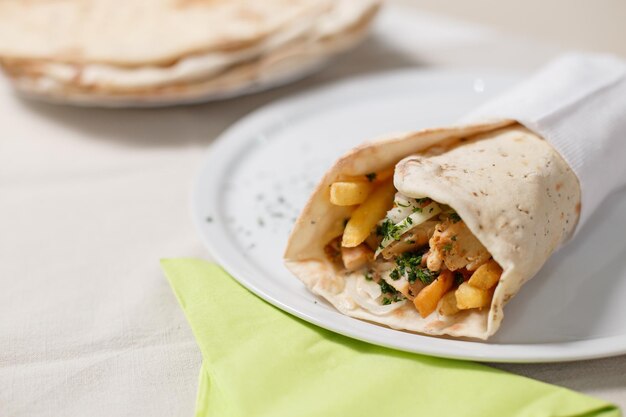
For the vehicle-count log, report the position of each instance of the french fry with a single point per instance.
(427, 299)
(346, 193)
(471, 297)
(448, 307)
(365, 217)
(486, 276)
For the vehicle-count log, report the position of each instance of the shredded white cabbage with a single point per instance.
(413, 217)
(366, 302)
(369, 288)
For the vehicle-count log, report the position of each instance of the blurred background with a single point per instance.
(597, 26)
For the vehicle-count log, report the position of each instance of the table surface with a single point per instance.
(596, 26)
(92, 199)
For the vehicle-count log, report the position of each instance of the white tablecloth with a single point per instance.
(91, 199)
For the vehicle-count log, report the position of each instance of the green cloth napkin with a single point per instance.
(260, 361)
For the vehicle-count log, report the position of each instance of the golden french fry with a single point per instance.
(448, 304)
(365, 217)
(345, 193)
(471, 297)
(486, 276)
(427, 299)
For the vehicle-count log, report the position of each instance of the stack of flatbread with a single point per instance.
(117, 52)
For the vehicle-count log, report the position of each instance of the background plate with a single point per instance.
(251, 87)
(259, 174)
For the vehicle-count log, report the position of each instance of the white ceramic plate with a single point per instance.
(259, 174)
(252, 87)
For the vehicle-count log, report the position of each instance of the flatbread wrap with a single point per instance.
(434, 231)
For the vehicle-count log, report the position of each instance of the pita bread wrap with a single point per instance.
(509, 187)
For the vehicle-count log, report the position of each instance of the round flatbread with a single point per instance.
(141, 32)
(102, 70)
(284, 64)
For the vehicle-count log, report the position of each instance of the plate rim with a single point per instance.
(271, 113)
(137, 102)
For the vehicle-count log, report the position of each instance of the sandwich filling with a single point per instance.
(407, 249)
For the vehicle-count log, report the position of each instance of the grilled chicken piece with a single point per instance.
(411, 240)
(333, 250)
(373, 240)
(357, 257)
(414, 289)
(454, 245)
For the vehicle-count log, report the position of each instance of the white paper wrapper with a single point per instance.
(578, 104)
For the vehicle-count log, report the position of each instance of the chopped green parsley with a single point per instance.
(394, 275)
(386, 300)
(388, 230)
(386, 288)
(410, 264)
(425, 275)
(455, 217)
